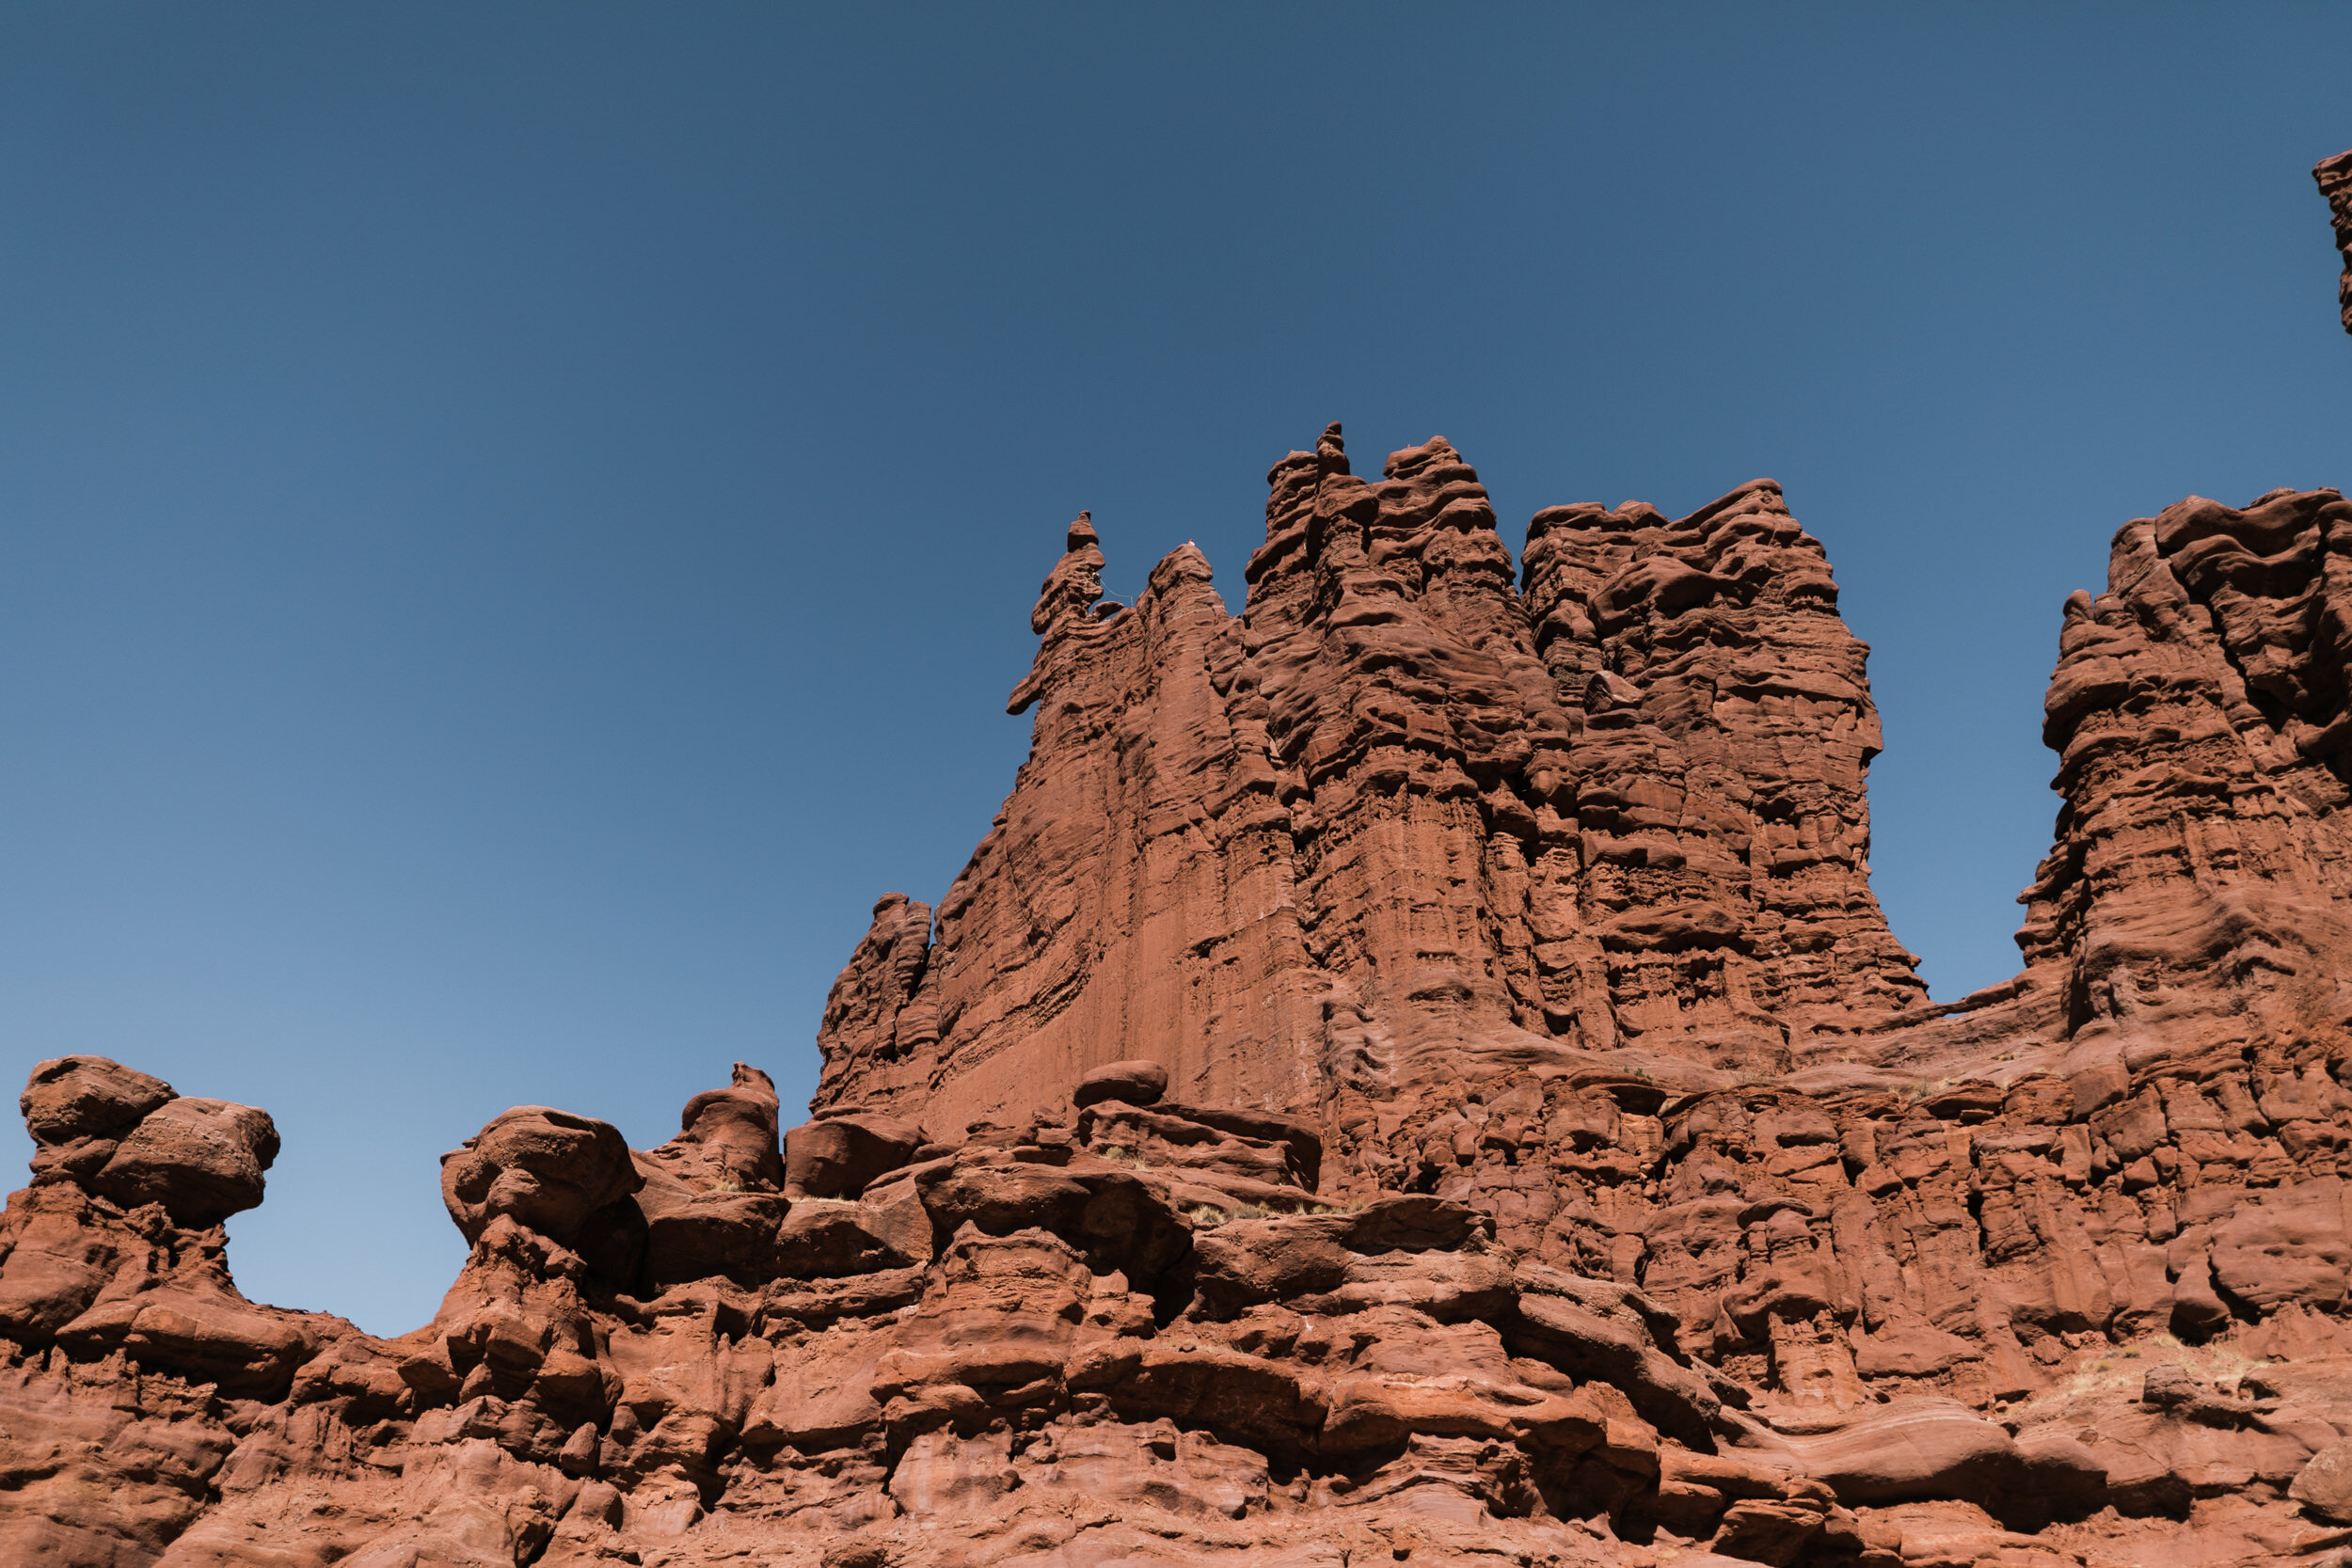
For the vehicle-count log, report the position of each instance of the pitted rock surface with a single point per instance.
(1414, 1073)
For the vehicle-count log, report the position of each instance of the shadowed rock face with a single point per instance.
(2336, 183)
(1414, 1073)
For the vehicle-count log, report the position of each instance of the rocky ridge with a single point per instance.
(1599, 1186)
(1486, 1119)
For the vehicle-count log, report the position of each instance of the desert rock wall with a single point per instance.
(1414, 1073)
(1403, 820)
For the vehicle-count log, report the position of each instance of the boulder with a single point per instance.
(83, 1096)
(2166, 1384)
(1121, 1219)
(2324, 1485)
(1138, 1083)
(838, 1156)
(546, 1169)
(736, 1128)
(705, 1232)
(202, 1159)
(1928, 1449)
(1243, 1262)
(831, 1238)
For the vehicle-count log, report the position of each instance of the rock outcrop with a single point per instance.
(1414, 1073)
(1400, 824)
(1137, 1333)
(2336, 183)
(1592, 1180)
(1566, 918)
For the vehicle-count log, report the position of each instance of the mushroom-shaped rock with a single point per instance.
(838, 1156)
(202, 1159)
(1138, 1083)
(546, 1169)
(737, 1126)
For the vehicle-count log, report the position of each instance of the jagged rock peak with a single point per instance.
(1388, 797)
(2199, 712)
(1330, 450)
(1415, 1093)
(1071, 587)
(1414, 1070)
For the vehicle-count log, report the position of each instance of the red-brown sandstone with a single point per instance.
(1414, 1073)
(2336, 183)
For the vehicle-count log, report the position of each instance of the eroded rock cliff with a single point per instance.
(1414, 1073)
(1402, 825)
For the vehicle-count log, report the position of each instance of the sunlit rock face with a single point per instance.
(1416, 1073)
(1406, 823)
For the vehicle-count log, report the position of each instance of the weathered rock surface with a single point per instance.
(1566, 917)
(1400, 823)
(1414, 1073)
(2336, 183)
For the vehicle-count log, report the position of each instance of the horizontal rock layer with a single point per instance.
(1404, 822)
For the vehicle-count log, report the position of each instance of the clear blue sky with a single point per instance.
(516, 522)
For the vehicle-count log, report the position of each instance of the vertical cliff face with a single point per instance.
(1133, 898)
(2197, 889)
(1402, 825)
(1423, 753)
(1718, 775)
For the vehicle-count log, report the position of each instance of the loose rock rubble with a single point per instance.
(1414, 1073)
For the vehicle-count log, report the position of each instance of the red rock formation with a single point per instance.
(1414, 1073)
(1719, 775)
(2336, 183)
(1397, 824)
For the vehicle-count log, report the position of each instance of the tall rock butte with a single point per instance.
(1415, 1074)
(1404, 824)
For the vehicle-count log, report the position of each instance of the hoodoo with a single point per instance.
(1414, 1073)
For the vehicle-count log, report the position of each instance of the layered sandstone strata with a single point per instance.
(1136, 1332)
(1139, 1330)
(1402, 822)
(1414, 1073)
